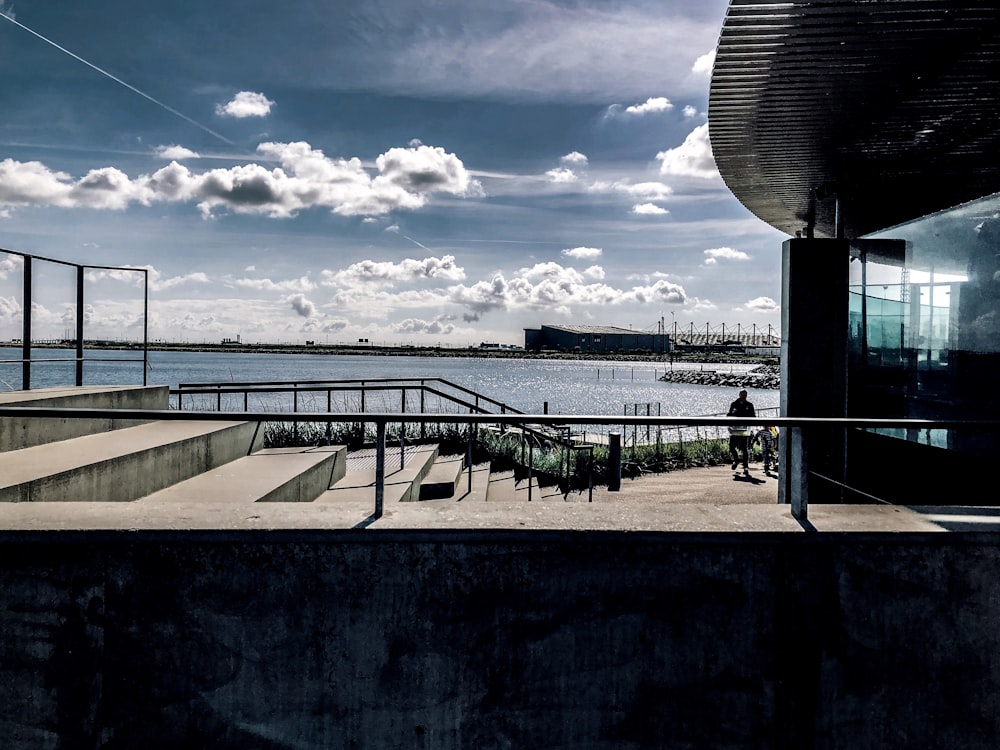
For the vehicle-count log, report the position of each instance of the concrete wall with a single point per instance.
(17, 433)
(374, 639)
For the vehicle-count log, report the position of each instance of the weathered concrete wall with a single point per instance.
(374, 639)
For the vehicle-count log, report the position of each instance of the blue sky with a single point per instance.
(406, 171)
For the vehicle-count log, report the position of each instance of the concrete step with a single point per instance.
(124, 464)
(402, 483)
(505, 487)
(442, 480)
(278, 475)
(17, 433)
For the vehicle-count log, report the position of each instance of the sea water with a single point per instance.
(600, 387)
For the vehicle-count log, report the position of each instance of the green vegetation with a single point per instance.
(553, 462)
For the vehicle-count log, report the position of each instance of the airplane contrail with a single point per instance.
(114, 78)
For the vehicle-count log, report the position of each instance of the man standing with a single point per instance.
(739, 437)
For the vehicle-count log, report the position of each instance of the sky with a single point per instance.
(426, 172)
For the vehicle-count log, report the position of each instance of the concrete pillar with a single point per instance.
(814, 327)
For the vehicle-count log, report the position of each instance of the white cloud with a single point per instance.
(301, 284)
(651, 191)
(301, 305)
(178, 153)
(583, 253)
(11, 264)
(245, 104)
(574, 157)
(561, 175)
(762, 304)
(648, 209)
(652, 105)
(385, 272)
(406, 179)
(549, 286)
(690, 111)
(691, 159)
(704, 64)
(714, 255)
(439, 327)
(594, 272)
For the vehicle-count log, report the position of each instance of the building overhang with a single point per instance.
(887, 110)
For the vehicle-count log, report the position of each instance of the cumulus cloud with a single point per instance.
(550, 286)
(301, 305)
(594, 272)
(10, 264)
(387, 272)
(648, 209)
(714, 255)
(583, 253)
(439, 327)
(762, 304)
(690, 111)
(652, 105)
(155, 278)
(574, 157)
(561, 175)
(245, 104)
(691, 159)
(307, 178)
(176, 153)
(704, 64)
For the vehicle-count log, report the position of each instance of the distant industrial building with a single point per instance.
(598, 339)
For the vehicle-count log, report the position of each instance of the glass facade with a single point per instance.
(924, 337)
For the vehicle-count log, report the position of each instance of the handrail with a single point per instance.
(255, 386)
(793, 425)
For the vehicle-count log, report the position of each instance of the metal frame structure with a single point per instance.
(81, 269)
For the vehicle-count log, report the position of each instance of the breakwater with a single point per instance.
(764, 376)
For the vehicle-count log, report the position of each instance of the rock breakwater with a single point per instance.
(764, 376)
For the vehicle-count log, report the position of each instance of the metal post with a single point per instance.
(26, 327)
(531, 460)
(469, 449)
(79, 327)
(379, 467)
(145, 325)
(614, 462)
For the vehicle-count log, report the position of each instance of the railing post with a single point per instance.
(79, 327)
(531, 460)
(470, 453)
(26, 327)
(379, 467)
(614, 462)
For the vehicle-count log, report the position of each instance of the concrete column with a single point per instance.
(814, 327)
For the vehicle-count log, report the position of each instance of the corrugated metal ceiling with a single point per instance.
(893, 105)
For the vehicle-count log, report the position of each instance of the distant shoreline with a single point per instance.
(415, 351)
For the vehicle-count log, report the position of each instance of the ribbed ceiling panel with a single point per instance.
(894, 105)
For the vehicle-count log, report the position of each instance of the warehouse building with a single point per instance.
(594, 339)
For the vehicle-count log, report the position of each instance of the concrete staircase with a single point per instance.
(170, 462)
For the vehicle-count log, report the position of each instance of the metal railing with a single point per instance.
(27, 360)
(795, 472)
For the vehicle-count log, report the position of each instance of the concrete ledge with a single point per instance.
(124, 464)
(278, 475)
(16, 434)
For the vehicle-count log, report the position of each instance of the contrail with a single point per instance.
(114, 78)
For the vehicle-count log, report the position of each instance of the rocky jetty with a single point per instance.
(764, 376)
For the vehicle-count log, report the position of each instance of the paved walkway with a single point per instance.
(716, 485)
